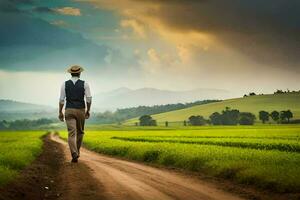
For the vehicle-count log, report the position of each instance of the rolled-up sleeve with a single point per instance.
(62, 96)
(87, 93)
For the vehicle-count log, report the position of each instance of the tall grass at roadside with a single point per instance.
(290, 145)
(18, 149)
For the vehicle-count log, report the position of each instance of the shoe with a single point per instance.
(74, 158)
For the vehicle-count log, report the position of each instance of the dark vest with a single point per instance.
(75, 94)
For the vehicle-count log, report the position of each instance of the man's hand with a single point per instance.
(87, 114)
(61, 116)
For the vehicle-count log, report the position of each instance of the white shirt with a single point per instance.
(87, 91)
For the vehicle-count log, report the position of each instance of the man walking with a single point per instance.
(75, 92)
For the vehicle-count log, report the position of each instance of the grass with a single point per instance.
(18, 149)
(264, 144)
(266, 156)
(249, 104)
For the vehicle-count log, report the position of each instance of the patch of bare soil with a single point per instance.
(51, 176)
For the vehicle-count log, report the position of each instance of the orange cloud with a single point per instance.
(145, 19)
(137, 27)
(68, 11)
(252, 29)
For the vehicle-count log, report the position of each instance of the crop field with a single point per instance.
(18, 149)
(266, 156)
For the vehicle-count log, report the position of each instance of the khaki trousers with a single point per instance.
(75, 119)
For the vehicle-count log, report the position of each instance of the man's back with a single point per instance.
(75, 94)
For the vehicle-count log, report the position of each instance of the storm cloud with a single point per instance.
(268, 32)
(28, 43)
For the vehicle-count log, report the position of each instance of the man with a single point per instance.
(75, 91)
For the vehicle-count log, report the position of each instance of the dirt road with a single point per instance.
(119, 179)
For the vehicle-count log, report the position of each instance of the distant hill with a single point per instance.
(12, 110)
(125, 97)
(127, 113)
(16, 106)
(247, 104)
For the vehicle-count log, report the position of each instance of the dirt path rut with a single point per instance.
(120, 179)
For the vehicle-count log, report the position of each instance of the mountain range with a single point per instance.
(119, 98)
(14, 110)
(125, 97)
(17, 106)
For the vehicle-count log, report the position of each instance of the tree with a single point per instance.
(264, 116)
(278, 92)
(252, 94)
(146, 120)
(230, 117)
(246, 118)
(275, 115)
(282, 116)
(184, 123)
(197, 120)
(289, 115)
(153, 123)
(167, 123)
(216, 118)
(227, 117)
(286, 114)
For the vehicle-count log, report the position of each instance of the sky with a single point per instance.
(237, 45)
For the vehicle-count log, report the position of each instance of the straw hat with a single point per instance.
(75, 69)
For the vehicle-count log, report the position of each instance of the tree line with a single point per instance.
(226, 117)
(128, 113)
(279, 117)
(25, 124)
(276, 92)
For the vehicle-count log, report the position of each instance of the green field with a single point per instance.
(265, 156)
(248, 104)
(18, 149)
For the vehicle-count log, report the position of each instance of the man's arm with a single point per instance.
(87, 113)
(88, 97)
(61, 114)
(61, 103)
